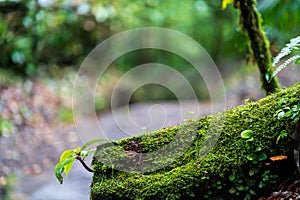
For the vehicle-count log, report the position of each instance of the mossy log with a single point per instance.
(235, 168)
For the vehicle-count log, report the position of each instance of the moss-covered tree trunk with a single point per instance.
(251, 23)
(239, 166)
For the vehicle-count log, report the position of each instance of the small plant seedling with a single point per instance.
(283, 134)
(247, 134)
(287, 112)
(255, 152)
(68, 157)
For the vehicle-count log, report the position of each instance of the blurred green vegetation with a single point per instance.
(281, 19)
(38, 37)
(9, 186)
(6, 127)
(65, 115)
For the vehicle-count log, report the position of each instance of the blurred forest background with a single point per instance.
(43, 43)
(48, 37)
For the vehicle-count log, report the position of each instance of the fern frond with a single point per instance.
(285, 64)
(293, 45)
(289, 48)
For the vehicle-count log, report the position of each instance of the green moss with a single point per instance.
(225, 173)
(251, 23)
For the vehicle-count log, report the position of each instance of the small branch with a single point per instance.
(84, 165)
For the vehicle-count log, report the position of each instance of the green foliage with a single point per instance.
(283, 134)
(255, 153)
(234, 169)
(289, 54)
(281, 19)
(247, 134)
(288, 112)
(36, 36)
(100, 103)
(65, 114)
(65, 163)
(6, 127)
(91, 143)
(8, 192)
(68, 157)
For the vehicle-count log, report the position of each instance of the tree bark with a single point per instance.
(251, 24)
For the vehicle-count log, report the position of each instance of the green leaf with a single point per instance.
(67, 164)
(93, 142)
(241, 188)
(283, 100)
(295, 108)
(66, 154)
(260, 184)
(231, 177)
(262, 156)
(282, 134)
(251, 156)
(249, 145)
(280, 115)
(247, 134)
(67, 159)
(58, 170)
(232, 190)
(258, 149)
(251, 172)
(252, 192)
(77, 150)
(63, 166)
(268, 77)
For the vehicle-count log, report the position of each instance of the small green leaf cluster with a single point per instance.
(283, 134)
(292, 113)
(256, 153)
(27, 43)
(66, 162)
(244, 181)
(68, 157)
(240, 185)
(288, 110)
(267, 179)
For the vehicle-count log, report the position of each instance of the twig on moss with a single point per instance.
(84, 165)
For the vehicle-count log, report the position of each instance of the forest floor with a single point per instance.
(36, 129)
